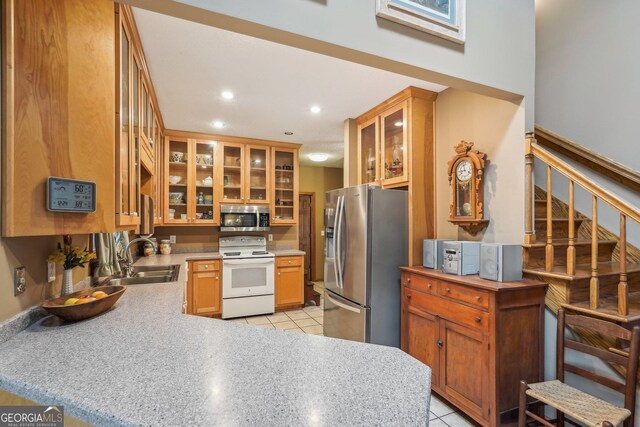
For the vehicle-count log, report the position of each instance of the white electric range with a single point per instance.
(247, 276)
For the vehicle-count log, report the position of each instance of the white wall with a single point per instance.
(499, 52)
(495, 126)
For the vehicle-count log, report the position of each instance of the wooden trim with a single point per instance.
(607, 167)
(625, 207)
(8, 136)
(228, 138)
(312, 269)
(410, 92)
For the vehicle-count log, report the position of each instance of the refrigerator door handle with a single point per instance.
(338, 239)
(342, 305)
(335, 240)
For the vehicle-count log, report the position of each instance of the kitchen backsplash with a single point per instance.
(205, 239)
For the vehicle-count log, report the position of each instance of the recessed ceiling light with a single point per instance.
(217, 124)
(398, 124)
(318, 157)
(227, 94)
(315, 109)
(289, 133)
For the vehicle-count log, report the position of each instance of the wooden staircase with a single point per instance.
(588, 268)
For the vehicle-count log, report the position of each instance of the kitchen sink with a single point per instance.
(146, 275)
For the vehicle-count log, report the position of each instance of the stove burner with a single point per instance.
(259, 253)
(232, 253)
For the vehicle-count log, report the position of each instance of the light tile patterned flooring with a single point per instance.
(309, 320)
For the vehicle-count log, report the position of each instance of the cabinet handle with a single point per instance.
(408, 279)
(289, 261)
(439, 343)
(409, 295)
(478, 320)
(448, 290)
(278, 273)
(429, 285)
(217, 277)
(478, 299)
(206, 267)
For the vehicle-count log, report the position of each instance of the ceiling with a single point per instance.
(274, 85)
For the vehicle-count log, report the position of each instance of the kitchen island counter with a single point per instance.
(145, 363)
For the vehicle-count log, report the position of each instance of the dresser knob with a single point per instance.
(408, 279)
(429, 285)
(408, 295)
(278, 274)
(289, 261)
(448, 290)
(206, 267)
(478, 299)
(478, 320)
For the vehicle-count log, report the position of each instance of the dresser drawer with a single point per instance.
(289, 261)
(421, 283)
(206, 265)
(464, 294)
(448, 310)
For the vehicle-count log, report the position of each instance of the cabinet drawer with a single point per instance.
(288, 261)
(471, 296)
(421, 283)
(449, 310)
(209, 265)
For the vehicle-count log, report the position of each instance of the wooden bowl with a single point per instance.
(88, 309)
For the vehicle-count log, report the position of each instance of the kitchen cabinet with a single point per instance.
(289, 282)
(58, 110)
(158, 182)
(245, 178)
(190, 196)
(284, 207)
(204, 288)
(396, 150)
(479, 337)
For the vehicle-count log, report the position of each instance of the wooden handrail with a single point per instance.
(625, 209)
(607, 167)
(629, 210)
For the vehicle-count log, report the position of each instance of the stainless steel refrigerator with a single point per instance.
(365, 243)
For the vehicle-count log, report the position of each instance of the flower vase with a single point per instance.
(67, 282)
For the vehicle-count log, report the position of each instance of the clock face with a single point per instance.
(463, 171)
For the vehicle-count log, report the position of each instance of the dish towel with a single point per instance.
(122, 240)
(106, 249)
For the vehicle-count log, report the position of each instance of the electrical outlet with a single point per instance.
(270, 237)
(19, 280)
(51, 272)
(172, 238)
(322, 233)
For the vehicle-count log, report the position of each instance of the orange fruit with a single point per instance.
(85, 299)
(99, 294)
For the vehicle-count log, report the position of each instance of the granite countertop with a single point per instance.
(145, 363)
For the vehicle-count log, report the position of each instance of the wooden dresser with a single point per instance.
(479, 337)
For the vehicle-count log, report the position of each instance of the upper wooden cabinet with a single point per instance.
(138, 126)
(285, 186)
(58, 108)
(191, 197)
(244, 173)
(396, 150)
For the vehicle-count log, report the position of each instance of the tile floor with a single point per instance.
(443, 414)
(307, 320)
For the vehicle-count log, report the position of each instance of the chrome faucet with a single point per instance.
(126, 264)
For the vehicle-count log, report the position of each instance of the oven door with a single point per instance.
(247, 277)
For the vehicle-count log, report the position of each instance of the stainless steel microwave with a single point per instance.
(244, 218)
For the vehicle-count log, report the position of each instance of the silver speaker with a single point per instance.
(501, 262)
(432, 253)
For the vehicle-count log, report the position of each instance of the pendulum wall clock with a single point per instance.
(466, 173)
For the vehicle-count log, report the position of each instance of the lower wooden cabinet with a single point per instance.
(204, 288)
(289, 282)
(480, 338)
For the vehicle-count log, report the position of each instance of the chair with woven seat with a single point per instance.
(573, 403)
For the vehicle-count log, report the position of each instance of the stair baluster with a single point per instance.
(594, 283)
(549, 248)
(571, 248)
(529, 226)
(623, 289)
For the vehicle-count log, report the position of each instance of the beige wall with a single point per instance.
(319, 180)
(206, 238)
(32, 253)
(497, 128)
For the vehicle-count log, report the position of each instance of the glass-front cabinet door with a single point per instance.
(368, 136)
(204, 197)
(285, 186)
(176, 181)
(394, 149)
(232, 176)
(257, 180)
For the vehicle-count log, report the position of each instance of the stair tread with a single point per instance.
(559, 219)
(562, 241)
(583, 271)
(608, 308)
